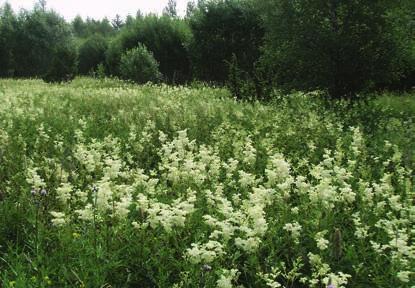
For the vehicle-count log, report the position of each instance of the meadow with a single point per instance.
(109, 184)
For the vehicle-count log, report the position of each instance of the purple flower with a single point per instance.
(331, 286)
(206, 268)
(43, 192)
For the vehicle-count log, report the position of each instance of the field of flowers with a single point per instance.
(106, 184)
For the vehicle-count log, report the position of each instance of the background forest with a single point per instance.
(345, 48)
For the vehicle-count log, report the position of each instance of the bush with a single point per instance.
(139, 65)
(92, 53)
(63, 65)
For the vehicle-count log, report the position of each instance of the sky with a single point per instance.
(99, 9)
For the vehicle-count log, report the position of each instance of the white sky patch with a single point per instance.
(99, 9)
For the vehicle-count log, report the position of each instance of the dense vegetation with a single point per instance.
(177, 183)
(106, 184)
(345, 48)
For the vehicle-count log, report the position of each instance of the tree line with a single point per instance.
(343, 47)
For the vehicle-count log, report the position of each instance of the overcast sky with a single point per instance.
(99, 9)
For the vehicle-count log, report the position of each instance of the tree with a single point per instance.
(222, 29)
(402, 18)
(139, 14)
(42, 5)
(37, 36)
(342, 46)
(171, 9)
(63, 65)
(92, 53)
(79, 26)
(117, 22)
(129, 20)
(190, 8)
(8, 26)
(89, 27)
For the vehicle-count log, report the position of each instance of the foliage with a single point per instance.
(63, 66)
(117, 22)
(221, 29)
(41, 32)
(171, 9)
(104, 183)
(28, 40)
(139, 65)
(163, 36)
(8, 26)
(91, 27)
(239, 82)
(344, 47)
(92, 53)
(402, 18)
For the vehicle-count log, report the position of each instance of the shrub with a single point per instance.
(139, 65)
(63, 64)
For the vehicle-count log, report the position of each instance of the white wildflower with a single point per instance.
(58, 218)
(227, 277)
(64, 192)
(294, 229)
(404, 276)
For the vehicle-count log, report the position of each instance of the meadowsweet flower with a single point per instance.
(361, 231)
(338, 280)
(278, 170)
(249, 245)
(294, 229)
(205, 253)
(34, 179)
(404, 276)
(113, 168)
(87, 213)
(357, 143)
(121, 208)
(58, 218)
(103, 194)
(230, 167)
(347, 194)
(227, 277)
(270, 278)
(169, 216)
(246, 179)
(394, 202)
(249, 152)
(295, 210)
(64, 192)
(322, 243)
